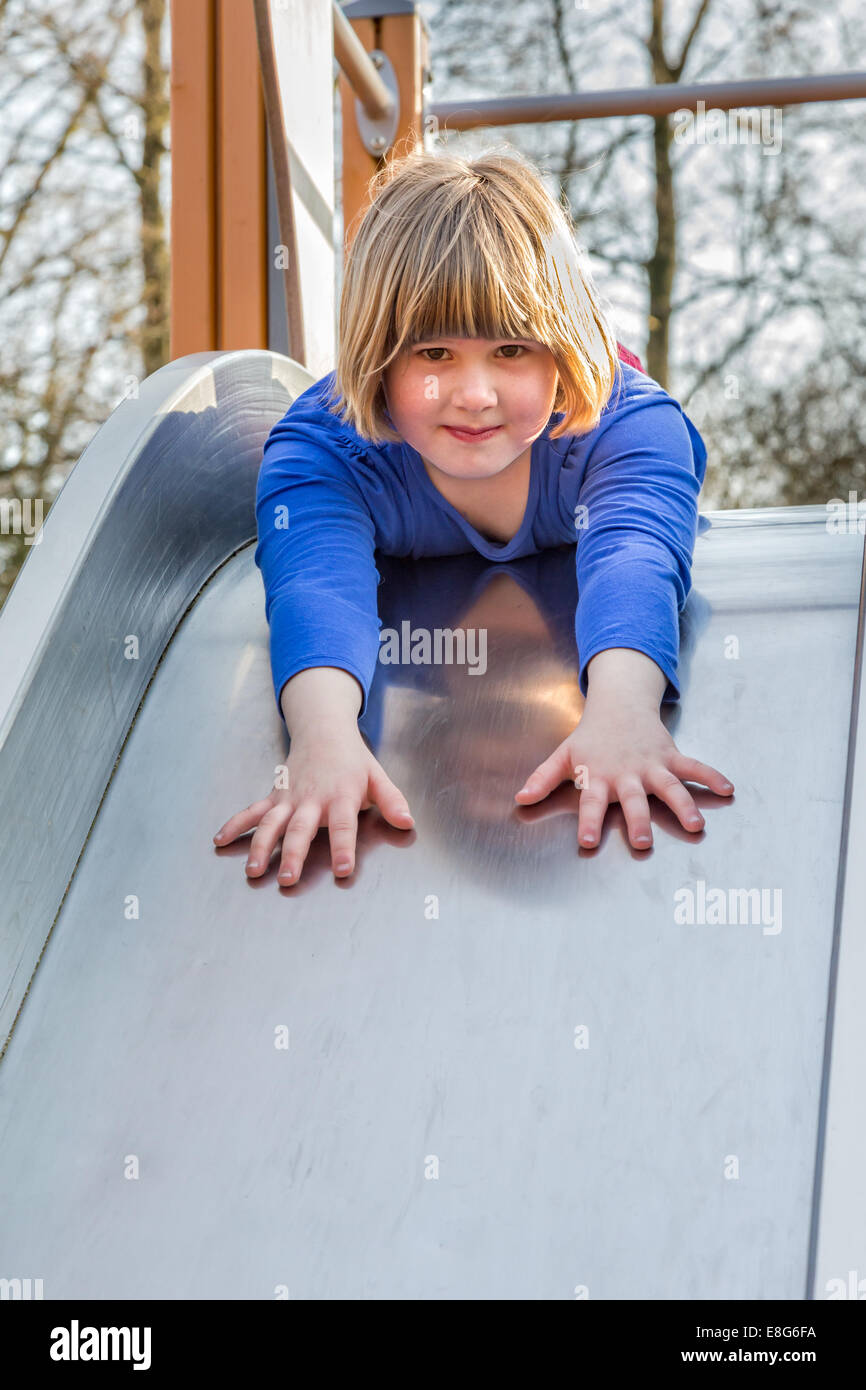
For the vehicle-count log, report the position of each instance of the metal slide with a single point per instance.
(489, 1065)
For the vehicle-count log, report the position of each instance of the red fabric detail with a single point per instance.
(630, 358)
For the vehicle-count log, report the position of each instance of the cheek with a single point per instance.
(418, 397)
(399, 389)
(539, 393)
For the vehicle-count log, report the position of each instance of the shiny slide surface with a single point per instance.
(489, 1064)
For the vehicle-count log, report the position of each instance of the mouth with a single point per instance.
(472, 436)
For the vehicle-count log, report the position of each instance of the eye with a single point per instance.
(515, 349)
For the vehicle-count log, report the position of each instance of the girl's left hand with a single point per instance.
(621, 753)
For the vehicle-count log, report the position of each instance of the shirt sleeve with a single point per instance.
(637, 521)
(316, 545)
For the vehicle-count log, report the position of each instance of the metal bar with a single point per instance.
(358, 68)
(648, 101)
(276, 123)
(838, 1237)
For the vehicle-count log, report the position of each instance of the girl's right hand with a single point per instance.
(330, 779)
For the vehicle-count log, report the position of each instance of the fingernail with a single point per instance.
(252, 863)
(342, 866)
(642, 839)
(727, 786)
(219, 835)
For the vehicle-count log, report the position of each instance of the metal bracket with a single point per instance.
(377, 136)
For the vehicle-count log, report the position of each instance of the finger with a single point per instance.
(263, 841)
(668, 788)
(547, 776)
(343, 832)
(390, 800)
(635, 807)
(299, 835)
(594, 801)
(242, 821)
(691, 769)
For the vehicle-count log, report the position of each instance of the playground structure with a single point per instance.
(488, 1065)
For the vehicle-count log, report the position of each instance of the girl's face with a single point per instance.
(471, 384)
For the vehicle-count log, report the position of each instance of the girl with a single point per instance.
(478, 402)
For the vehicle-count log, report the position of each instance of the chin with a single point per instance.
(471, 468)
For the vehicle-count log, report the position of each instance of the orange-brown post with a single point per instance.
(219, 268)
(403, 38)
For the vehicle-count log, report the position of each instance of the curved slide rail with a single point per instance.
(162, 495)
(487, 1065)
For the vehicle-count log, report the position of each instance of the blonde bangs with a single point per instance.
(461, 248)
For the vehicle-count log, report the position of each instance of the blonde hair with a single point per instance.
(468, 248)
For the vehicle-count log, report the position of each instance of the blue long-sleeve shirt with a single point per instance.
(625, 494)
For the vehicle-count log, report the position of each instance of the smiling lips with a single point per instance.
(460, 433)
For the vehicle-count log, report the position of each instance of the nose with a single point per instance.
(474, 391)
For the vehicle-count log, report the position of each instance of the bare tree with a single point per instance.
(661, 265)
(83, 249)
(737, 264)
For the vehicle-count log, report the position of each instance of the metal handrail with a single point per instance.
(359, 69)
(648, 101)
(277, 138)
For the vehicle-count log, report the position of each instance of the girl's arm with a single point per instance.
(638, 520)
(638, 516)
(320, 700)
(316, 554)
(621, 671)
(316, 548)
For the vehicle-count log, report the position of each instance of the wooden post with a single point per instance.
(396, 29)
(219, 263)
(193, 177)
